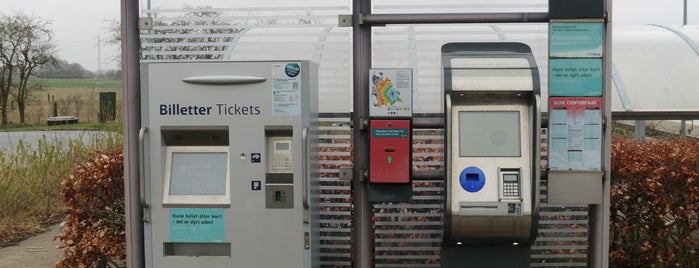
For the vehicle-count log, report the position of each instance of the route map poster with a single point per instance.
(391, 92)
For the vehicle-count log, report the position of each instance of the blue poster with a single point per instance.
(576, 39)
(196, 225)
(575, 77)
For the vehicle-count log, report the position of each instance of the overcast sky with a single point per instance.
(77, 24)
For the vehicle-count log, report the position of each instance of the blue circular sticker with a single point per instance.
(292, 69)
(472, 179)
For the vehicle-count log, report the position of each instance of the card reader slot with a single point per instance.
(482, 209)
(279, 178)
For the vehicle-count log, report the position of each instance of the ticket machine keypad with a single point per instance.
(510, 185)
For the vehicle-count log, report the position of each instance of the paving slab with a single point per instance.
(38, 251)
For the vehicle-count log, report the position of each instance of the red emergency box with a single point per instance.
(390, 147)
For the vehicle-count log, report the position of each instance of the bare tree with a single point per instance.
(25, 43)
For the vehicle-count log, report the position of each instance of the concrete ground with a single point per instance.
(36, 252)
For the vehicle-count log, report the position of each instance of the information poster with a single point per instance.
(575, 77)
(286, 91)
(575, 133)
(576, 39)
(391, 92)
(197, 225)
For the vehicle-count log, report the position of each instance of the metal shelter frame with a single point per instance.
(362, 21)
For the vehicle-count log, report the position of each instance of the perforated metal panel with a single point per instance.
(335, 194)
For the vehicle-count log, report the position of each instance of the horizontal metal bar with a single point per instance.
(655, 115)
(408, 223)
(558, 221)
(408, 215)
(560, 247)
(422, 18)
(408, 206)
(334, 263)
(428, 175)
(428, 122)
(569, 230)
(407, 257)
(406, 265)
(557, 256)
(439, 231)
(335, 230)
(407, 240)
(560, 264)
(341, 255)
(562, 239)
(404, 249)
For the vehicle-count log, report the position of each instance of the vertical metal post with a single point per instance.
(361, 53)
(599, 225)
(684, 18)
(683, 128)
(130, 77)
(640, 129)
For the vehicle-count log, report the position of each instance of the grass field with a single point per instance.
(53, 83)
(70, 97)
(30, 178)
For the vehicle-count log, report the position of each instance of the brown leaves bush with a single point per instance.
(94, 227)
(655, 200)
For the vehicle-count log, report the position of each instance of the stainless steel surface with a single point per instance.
(483, 216)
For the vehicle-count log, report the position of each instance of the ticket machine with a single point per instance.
(228, 176)
(491, 144)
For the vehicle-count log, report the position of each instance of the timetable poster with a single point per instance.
(575, 133)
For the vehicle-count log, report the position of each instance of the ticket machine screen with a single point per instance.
(489, 134)
(198, 173)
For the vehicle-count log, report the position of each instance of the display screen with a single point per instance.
(198, 173)
(281, 146)
(489, 133)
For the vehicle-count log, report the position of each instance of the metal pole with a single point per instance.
(599, 222)
(684, 20)
(640, 129)
(132, 122)
(361, 49)
(382, 19)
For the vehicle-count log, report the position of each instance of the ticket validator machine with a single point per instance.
(492, 145)
(227, 175)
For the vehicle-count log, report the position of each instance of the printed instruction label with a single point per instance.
(197, 225)
(575, 77)
(286, 88)
(576, 39)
